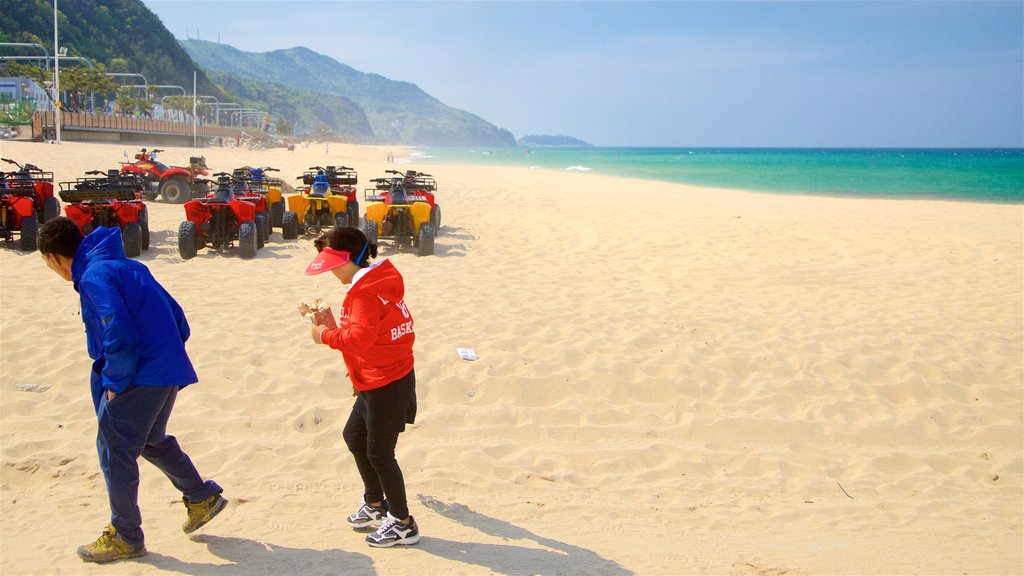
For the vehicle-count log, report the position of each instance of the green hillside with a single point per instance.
(397, 112)
(123, 35)
(311, 91)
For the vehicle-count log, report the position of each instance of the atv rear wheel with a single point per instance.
(435, 217)
(290, 225)
(276, 214)
(353, 214)
(188, 240)
(261, 231)
(176, 191)
(370, 230)
(29, 233)
(131, 237)
(51, 209)
(426, 239)
(144, 223)
(247, 242)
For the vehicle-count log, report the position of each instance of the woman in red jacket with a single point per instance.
(375, 337)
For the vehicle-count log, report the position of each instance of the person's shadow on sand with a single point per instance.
(561, 558)
(249, 557)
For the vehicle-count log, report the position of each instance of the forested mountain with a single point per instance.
(397, 112)
(310, 90)
(123, 35)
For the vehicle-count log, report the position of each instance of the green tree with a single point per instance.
(130, 103)
(78, 81)
(36, 73)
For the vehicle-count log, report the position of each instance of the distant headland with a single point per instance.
(542, 140)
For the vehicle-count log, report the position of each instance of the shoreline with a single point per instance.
(772, 170)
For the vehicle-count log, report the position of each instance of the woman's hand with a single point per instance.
(315, 331)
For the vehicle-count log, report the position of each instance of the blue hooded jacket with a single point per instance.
(136, 331)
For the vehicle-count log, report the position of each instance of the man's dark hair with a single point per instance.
(59, 236)
(350, 240)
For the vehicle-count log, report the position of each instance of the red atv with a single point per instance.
(112, 199)
(219, 220)
(175, 184)
(17, 215)
(39, 185)
(252, 190)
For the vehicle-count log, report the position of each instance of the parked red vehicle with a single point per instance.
(111, 199)
(18, 215)
(174, 184)
(36, 183)
(220, 220)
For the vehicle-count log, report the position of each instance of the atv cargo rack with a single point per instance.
(336, 175)
(85, 190)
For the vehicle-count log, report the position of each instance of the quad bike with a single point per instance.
(416, 183)
(174, 184)
(271, 188)
(392, 211)
(18, 215)
(219, 220)
(250, 184)
(329, 198)
(37, 184)
(111, 199)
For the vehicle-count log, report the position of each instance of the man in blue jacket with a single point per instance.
(136, 335)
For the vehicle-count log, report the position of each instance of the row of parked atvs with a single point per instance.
(239, 209)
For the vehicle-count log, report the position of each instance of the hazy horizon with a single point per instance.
(690, 74)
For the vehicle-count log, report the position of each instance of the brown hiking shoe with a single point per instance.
(199, 513)
(109, 547)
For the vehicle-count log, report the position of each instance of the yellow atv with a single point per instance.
(327, 199)
(393, 211)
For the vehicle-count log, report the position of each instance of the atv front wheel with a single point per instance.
(176, 191)
(29, 233)
(131, 237)
(188, 240)
(247, 241)
(290, 225)
(340, 220)
(426, 239)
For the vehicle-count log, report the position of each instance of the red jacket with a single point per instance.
(375, 334)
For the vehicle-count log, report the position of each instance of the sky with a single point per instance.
(866, 73)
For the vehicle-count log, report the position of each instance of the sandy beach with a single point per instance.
(671, 380)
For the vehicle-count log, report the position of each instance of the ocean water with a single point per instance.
(993, 175)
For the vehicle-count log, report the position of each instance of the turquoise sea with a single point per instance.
(993, 175)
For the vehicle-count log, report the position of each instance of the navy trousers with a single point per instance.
(134, 424)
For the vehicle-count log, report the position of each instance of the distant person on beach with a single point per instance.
(136, 333)
(375, 339)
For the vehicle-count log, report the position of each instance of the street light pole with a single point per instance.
(194, 120)
(56, 72)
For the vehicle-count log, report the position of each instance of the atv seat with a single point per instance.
(318, 190)
(222, 194)
(398, 195)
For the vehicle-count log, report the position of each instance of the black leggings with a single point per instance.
(371, 434)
